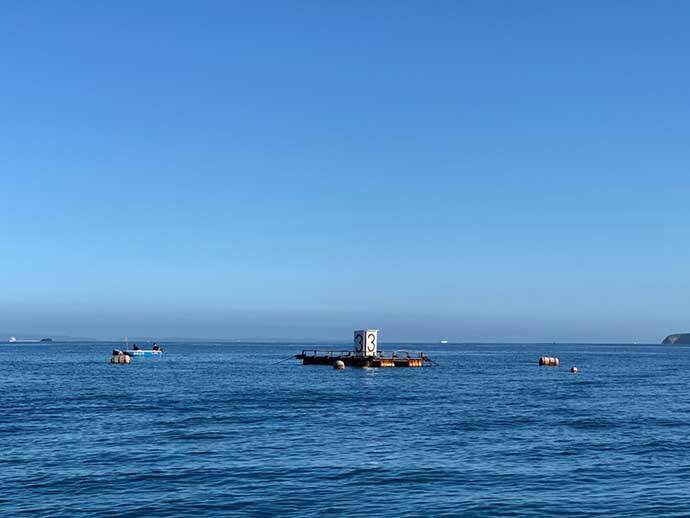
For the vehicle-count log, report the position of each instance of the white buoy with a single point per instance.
(573, 370)
(339, 365)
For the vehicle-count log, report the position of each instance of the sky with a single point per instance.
(461, 170)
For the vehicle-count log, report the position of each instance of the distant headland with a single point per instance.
(678, 338)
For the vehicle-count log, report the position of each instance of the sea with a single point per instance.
(224, 429)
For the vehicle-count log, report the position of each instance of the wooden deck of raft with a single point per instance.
(394, 359)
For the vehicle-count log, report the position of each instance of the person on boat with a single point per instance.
(135, 347)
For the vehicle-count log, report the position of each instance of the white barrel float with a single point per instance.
(548, 361)
(120, 358)
(366, 342)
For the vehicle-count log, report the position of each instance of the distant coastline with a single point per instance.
(677, 339)
(15, 340)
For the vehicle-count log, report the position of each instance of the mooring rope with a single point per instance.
(432, 362)
(292, 357)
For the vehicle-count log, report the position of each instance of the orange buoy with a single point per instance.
(548, 361)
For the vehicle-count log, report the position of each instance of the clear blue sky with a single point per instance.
(467, 170)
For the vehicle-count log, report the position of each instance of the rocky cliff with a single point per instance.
(679, 338)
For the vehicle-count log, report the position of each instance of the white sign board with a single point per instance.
(366, 342)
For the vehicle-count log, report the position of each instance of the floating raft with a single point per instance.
(350, 359)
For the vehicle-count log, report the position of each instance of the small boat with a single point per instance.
(155, 352)
(145, 353)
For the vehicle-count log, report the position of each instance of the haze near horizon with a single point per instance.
(470, 171)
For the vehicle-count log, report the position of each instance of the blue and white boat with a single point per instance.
(144, 353)
(155, 352)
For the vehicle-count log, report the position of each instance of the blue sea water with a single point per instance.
(218, 429)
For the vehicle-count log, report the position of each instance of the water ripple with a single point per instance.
(219, 430)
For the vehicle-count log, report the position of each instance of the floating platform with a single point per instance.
(350, 359)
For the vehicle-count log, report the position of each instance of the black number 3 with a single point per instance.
(360, 343)
(372, 342)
